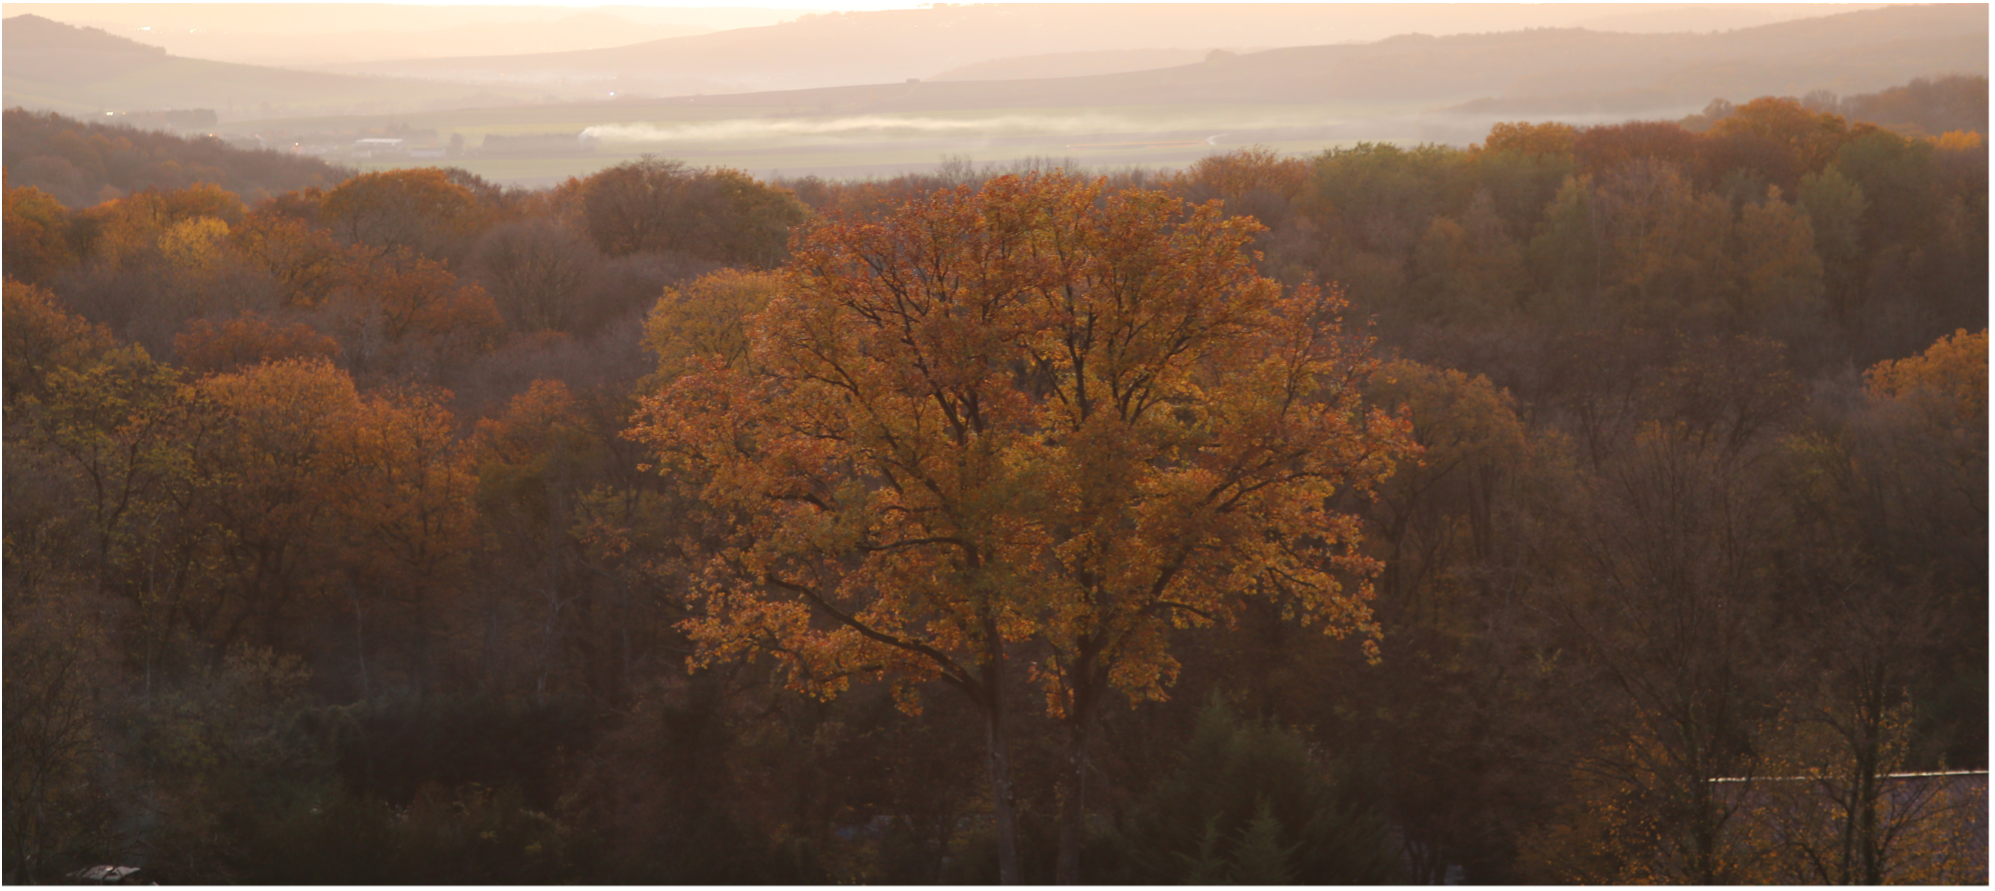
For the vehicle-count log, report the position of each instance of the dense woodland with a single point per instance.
(394, 527)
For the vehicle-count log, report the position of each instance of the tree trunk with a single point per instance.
(360, 643)
(1003, 811)
(1088, 686)
(1869, 785)
(1072, 799)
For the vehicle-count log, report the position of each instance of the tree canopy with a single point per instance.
(1032, 416)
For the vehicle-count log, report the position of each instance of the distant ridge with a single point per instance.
(891, 46)
(41, 150)
(48, 65)
(1546, 69)
(1078, 64)
(1567, 71)
(48, 50)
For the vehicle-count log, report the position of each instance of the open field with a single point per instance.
(543, 171)
(861, 144)
(681, 120)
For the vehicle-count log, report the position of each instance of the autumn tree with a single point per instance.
(1550, 138)
(58, 809)
(1032, 423)
(1467, 268)
(1235, 175)
(113, 419)
(420, 209)
(1669, 649)
(1835, 208)
(1254, 181)
(137, 221)
(1913, 481)
(1381, 196)
(1948, 381)
(1440, 510)
(38, 234)
(528, 460)
(1641, 245)
(585, 566)
(1601, 149)
(1836, 813)
(248, 340)
(1780, 286)
(1521, 171)
(399, 310)
(655, 205)
(1812, 136)
(1859, 627)
(538, 274)
(1804, 141)
(305, 262)
(1365, 211)
(401, 492)
(83, 468)
(707, 317)
(41, 337)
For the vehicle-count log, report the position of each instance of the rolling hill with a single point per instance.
(892, 46)
(1514, 72)
(51, 66)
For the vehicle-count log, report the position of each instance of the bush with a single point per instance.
(1250, 806)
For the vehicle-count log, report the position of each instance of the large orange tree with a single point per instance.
(1019, 435)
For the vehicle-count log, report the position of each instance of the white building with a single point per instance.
(371, 147)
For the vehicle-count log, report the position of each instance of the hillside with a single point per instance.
(52, 66)
(891, 46)
(337, 41)
(1080, 64)
(1510, 72)
(47, 50)
(1927, 106)
(84, 162)
(295, 35)
(1042, 56)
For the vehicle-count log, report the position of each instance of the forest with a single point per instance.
(1593, 504)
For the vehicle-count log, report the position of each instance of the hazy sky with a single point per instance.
(399, 15)
(406, 14)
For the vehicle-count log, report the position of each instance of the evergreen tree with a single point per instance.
(1256, 809)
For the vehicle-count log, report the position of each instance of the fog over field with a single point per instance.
(856, 124)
